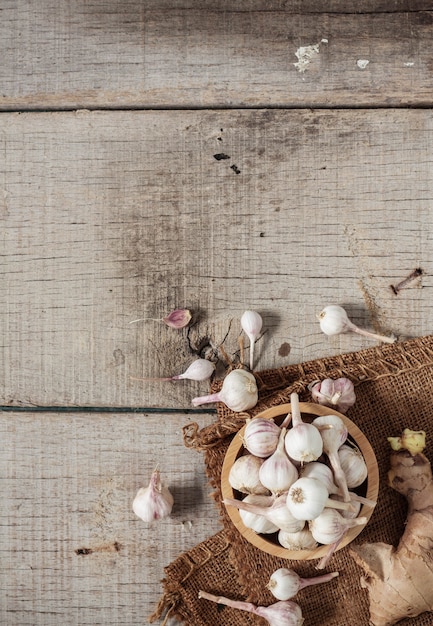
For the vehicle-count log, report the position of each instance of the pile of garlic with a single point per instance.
(296, 481)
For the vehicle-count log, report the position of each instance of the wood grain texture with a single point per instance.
(111, 217)
(71, 549)
(134, 55)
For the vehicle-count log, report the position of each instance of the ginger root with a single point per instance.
(400, 580)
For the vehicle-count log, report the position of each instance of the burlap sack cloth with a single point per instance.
(394, 386)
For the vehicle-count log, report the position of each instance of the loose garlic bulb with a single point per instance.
(238, 392)
(285, 583)
(154, 501)
(244, 475)
(353, 465)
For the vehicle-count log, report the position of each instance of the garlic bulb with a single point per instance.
(333, 438)
(277, 473)
(339, 393)
(286, 613)
(329, 528)
(308, 497)
(256, 521)
(261, 436)
(285, 583)
(353, 465)
(154, 501)
(239, 392)
(303, 441)
(277, 513)
(333, 320)
(251, 323)
(301, 540)
(244, 475)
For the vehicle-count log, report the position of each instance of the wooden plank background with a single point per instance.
(136, 56)
(115, 205)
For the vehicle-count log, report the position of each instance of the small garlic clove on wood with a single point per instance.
(179, 318)
(153, 502)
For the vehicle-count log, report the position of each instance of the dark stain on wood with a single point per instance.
(221, 156)
(111, 547)
(284, 349)
(406, 281)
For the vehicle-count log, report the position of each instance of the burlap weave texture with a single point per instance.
(393, 386)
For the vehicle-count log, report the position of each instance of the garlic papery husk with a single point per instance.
(277, 513)
(329, 528)
(301, 540)
(334, 320)
(244, 475)
(277, 473)
(303, 441)
(254, 520)
(308, 497)
(339, 393)
(261, 436)
(200, 369)
(285, 583)
(238, 392)
(334, 434)
(286, 613)
(353, 465)
(154, 501)
(251, 323)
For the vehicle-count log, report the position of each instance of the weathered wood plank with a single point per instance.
(71, 549)
(111, 217)
(56, 55)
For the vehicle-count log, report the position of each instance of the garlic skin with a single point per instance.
(153, 502)
(285, 583)
(301, 540)
(261, 436)
(286, 613)
(334, 320)
(339, 393)
(278, 473)
(251, 323)
(353, 465)
(239, 392)
(244, 475)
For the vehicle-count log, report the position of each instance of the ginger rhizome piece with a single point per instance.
(400, 580)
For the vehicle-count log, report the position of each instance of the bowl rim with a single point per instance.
(259, 541)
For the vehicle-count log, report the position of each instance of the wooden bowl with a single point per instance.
(369, 489)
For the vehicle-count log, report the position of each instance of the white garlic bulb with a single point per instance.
(301, 540)
(244, 475)
(285, 583)
(238, 392)
(353, 465)
(257, 522)
(154, 501)
(261, 436)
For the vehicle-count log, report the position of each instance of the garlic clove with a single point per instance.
(153, 502)
(300, 540)
(278, 473)
(179, 318)
(200, 370)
